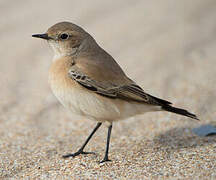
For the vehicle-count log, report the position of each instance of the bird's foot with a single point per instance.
(104, 160)
(76, 154)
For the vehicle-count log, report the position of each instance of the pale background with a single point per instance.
(168, 47)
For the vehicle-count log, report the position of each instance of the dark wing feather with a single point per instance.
(131, 92)
(90, 84)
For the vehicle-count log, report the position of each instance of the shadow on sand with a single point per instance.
(181, 138)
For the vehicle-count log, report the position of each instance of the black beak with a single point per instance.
(42, 36)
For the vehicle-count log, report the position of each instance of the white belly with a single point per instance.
(85, 103)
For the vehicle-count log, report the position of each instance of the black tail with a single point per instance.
(179, 111)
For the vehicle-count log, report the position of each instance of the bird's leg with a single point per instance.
(80, 151)
(107, 145)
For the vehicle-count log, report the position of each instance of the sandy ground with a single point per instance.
(167, 47)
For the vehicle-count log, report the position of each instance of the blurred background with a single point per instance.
(167, 47)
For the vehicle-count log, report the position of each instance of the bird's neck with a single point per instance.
(88, 46)
(59, 54)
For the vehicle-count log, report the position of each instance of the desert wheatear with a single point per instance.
(90, 83)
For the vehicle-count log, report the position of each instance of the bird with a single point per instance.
(90, 83)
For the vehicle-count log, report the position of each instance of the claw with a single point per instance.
(104, 160)
(76, 154)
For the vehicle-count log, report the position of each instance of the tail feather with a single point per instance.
(179, 111)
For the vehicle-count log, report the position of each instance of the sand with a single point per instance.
(167, 47)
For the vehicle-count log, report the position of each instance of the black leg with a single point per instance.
(80, 151)
(107, 145)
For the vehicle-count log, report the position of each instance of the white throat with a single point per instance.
(59, 52)
(57, 56)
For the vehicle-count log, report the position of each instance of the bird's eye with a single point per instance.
(64, 36)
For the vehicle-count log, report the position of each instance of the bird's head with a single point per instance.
(66, 38)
